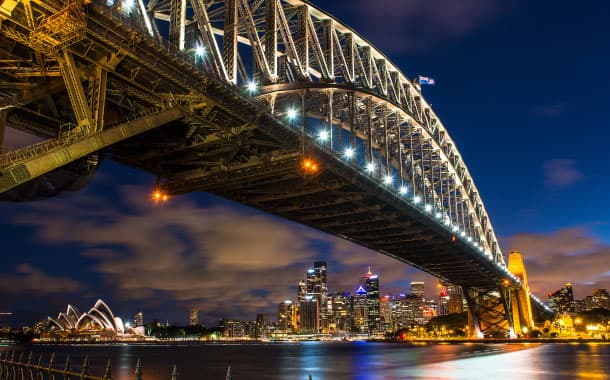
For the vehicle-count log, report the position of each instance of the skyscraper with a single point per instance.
(321, 292)
(360, 311)
(309, 315)
(417, 289)
(284, 317)
(341, 312)
(372, 300)
(562, 300)
(194, 317)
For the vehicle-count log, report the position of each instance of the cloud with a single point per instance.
(29, 279)
(416, 25)
(227, 261)
(561, 172)
(549, 110)
(567, 255)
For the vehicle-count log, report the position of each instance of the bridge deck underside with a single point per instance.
(338, 199)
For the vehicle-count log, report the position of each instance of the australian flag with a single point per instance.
(426, 80)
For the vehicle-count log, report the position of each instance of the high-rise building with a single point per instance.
(372, 300)
(138, 319)
(285, 317)
(341, 312)
(309, 315)
(315, 286)
(450, 300)
(321, 292)
(360, 311)
(261, 326)
(562, 300)
(417, 289)
(430, 310)
(601, 299)
(233, 328)
(194, 317)
(385, 313)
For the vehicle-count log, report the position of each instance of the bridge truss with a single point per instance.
(272, 103)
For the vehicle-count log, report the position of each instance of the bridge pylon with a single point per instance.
(504, 311)
(520, 296)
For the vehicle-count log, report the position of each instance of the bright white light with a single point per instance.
(370, 167)
(200, 51)
(469, 238)
(291, 114)
(252, 86)
(416, 199)
(109, 3)
(428, 208)
(438, 215)
(462, 234)
(349, 153)
(455, 228)
(388, 179)
(447, 222)
(127, 325)
(129, 4)
(403, 190)
(323, 135)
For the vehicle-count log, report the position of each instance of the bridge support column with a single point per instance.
(474, 327)
(488, 314)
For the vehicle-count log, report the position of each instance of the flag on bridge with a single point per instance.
(426, 80)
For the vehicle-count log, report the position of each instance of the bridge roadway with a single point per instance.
(188, 111)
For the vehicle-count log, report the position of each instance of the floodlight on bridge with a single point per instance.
(159, 196)
(323, 135)
(128, 5)
(200, 51)
(387, 180)
(349, 153)
(370, 167)
(403, 190)
(438, 215)
(416, 199)
(428, 207)
(291, 114)
(252, 87)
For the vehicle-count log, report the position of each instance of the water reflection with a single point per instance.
(336, 361)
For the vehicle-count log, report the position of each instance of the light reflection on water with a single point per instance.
(357, 360)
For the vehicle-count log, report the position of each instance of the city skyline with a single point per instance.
(543, 183)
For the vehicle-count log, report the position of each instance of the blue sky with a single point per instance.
(522, 88)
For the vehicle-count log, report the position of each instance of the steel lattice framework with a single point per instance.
(231, 97)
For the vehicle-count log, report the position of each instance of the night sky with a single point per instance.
(523, 89)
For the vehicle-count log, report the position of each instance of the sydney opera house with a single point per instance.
(99, 323)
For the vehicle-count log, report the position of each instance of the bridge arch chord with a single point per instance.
(290, 53)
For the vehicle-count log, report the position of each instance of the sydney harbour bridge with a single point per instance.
(274, 104)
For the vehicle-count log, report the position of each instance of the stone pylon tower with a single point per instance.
(521, 306)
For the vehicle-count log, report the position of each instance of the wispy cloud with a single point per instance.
(223, 260)
(561, 172)
(567, 255)
(415, 25)
(549, 110)
(29, 279)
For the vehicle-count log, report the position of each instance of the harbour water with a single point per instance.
(336, 361)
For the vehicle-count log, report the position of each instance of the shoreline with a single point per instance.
(276, 342)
